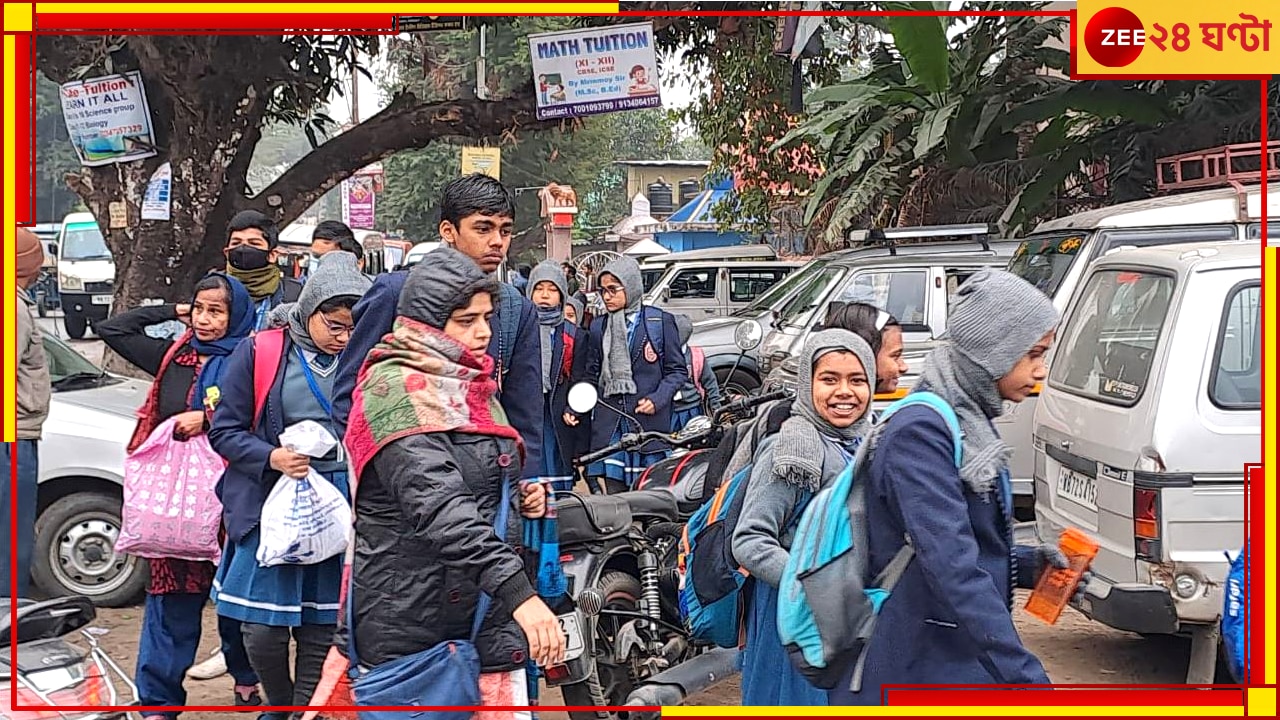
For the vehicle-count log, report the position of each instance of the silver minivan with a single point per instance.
(1151, 410)
(1055, 258)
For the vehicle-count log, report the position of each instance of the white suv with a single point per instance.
(91, 417)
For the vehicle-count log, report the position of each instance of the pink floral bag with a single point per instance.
(170, 509)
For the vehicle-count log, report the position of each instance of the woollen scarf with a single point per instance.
(615, 372)
(548, 320)
(261, 283)
(419, 380)
(972, 393)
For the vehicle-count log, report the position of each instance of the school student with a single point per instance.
(636, 359)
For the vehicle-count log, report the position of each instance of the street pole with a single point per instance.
(482, 87)
(355, 90)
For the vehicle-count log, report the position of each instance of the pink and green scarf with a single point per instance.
(420, 380)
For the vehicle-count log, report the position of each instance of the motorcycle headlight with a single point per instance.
(696, 426)
(70, 282)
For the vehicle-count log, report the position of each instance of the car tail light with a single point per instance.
(1146, 523)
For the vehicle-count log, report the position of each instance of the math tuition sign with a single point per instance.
(108, 119)
(589, 72)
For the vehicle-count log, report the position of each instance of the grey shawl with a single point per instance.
(548, 318)
(615, 371)
(995, 319)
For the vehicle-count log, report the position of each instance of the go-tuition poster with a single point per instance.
(108, 119)
(601, 70)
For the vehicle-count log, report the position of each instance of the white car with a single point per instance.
(91, 417)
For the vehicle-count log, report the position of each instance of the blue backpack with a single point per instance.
(509, 309)
(1235, 616)
(711, 581)
(825, 613)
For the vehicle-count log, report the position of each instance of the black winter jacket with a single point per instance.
(425, 548)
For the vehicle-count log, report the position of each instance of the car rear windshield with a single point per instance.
(782, 289)
(1044, 261)
(1237, 371)
(1111, 338)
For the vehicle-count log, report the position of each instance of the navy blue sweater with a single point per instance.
(948, 620)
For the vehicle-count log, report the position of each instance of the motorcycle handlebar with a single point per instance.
(635, 440)
(751, 402)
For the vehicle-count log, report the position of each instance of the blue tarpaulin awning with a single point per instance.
(699, 209)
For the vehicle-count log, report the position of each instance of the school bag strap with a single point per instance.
(268, 348)
(509, 310)
(699, 360)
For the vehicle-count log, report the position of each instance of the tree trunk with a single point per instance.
(209, 99)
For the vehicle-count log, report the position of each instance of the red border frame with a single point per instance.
(249, 23)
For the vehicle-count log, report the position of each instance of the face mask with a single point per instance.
(248, 257)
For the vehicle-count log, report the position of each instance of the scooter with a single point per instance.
(619, 556)
(52, 673)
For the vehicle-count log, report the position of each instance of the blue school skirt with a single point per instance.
(625, 466)
(768, 677)
(680, 418)
(554, 467)
(281, 595)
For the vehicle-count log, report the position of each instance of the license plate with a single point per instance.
(101, 299)
(1078, 488)
(573, 645)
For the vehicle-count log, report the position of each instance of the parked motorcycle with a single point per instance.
(619, 555)
(52, 673)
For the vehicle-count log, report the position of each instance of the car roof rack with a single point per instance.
(892, 237)
(1217, 167)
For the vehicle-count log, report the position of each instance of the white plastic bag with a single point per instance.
(304, 521)
(308, 438)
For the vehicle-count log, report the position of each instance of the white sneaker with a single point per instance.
(215, 666)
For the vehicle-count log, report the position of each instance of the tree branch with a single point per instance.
(405, 124)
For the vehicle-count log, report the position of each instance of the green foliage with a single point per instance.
(54, 155)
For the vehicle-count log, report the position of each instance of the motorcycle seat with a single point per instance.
(47, 619)
(591, 518)
(660, 504)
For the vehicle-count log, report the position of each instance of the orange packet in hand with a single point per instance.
(1057, 585)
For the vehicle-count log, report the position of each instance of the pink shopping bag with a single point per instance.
(170, 509)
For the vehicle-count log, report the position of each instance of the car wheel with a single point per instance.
(75, 552)
(75, 324)
(738, 385)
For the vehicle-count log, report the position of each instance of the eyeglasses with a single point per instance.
(337, 329)
(612, 289)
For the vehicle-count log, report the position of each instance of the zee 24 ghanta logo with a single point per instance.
(1115, 37)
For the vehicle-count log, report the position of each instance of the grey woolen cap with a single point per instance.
(996, 317)
(442, 282)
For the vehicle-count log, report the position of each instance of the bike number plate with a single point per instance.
(572, 629)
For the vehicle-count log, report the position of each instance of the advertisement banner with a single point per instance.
(155, 204)
(1149, 38)
(358, 202)
(482, 160)
(108, 120)
(600, 70)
